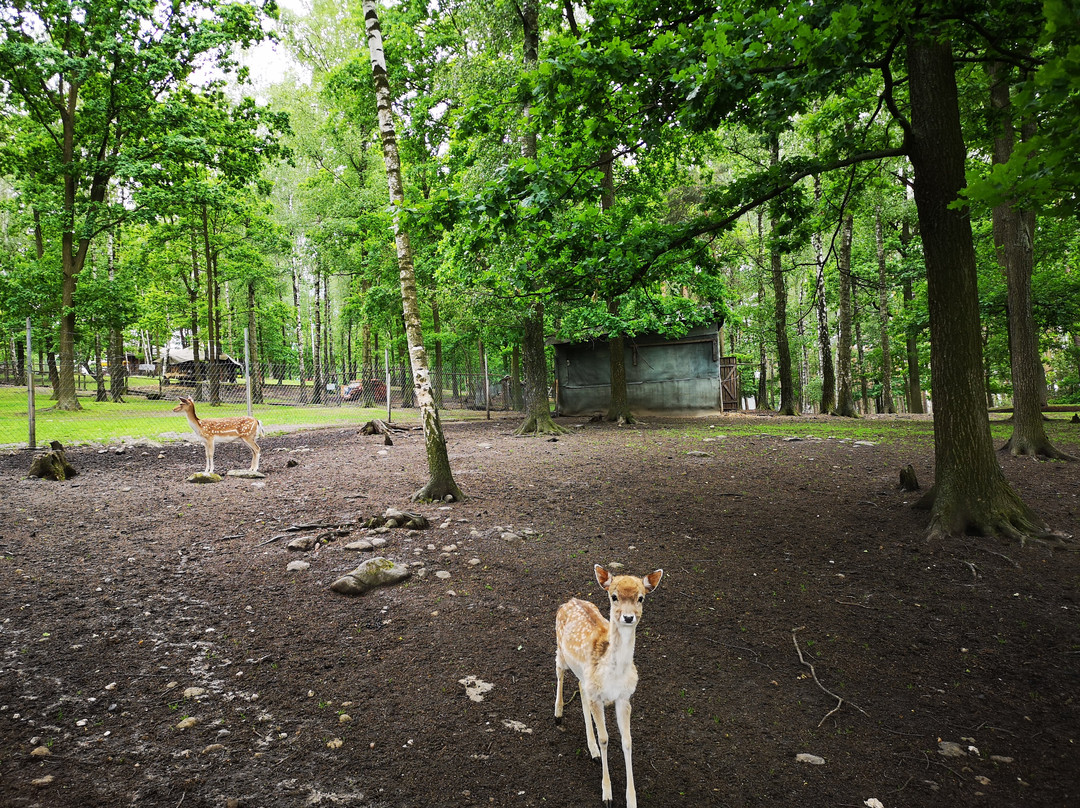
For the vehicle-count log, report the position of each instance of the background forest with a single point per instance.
(176, 173)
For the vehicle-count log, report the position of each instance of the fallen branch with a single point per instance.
(271, 539)
(839, 700)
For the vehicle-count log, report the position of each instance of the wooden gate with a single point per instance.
(729, 384)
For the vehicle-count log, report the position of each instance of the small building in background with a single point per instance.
(181, 366)
(662, 375)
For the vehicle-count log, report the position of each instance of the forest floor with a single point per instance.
(157, 652)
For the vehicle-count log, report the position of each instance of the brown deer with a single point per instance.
(601, 654)
(225, 430)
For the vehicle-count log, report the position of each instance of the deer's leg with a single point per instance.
(586, 709)
(560, 672)
(602, 734)
(209, 444)
(255, 452)
(622, 715)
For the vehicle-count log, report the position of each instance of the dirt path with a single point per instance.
(156, 651)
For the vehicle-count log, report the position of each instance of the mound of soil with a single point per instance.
(158, 652)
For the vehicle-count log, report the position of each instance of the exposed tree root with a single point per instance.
(536, 425)
(1012, 520)
(438, 491)
(1038, 449)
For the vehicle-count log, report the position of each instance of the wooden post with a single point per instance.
(388, 385)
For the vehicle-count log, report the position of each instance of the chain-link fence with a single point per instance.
(135, 401)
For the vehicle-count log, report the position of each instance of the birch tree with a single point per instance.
(441, 485)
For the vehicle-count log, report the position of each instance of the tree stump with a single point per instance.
(908, 481)
(377, 426)
(53, 465)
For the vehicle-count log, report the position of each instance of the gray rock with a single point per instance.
(696, 453)
(247, 475)
(298, 566)
(302, 543)
(372, 573)
(359, 544)
(951, 749)
(806, 757)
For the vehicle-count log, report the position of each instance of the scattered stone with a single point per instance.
(111, 686)
(187, 723)
(302, 543)
(873, 802)
(793, 439)
(806, 757)
(442, 574)
(359, 544)
(981, 780)
(378, 541)
(517, 726)
(615, 566)
(202, 478)
(475, 688)
(41, 751)
(864, 443)
(344, 718)
(193, 692)
(214, 747)
(509, 536)
(298, 565)
(245, 474)
(696, 453)
(372, 573)
(336, 743)
(951, 749)
(449, 548)
(1001, 759)
(474, 562)
(41, 782)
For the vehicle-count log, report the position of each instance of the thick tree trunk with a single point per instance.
(441, 485)
(1014, 235)
(538, 420)
(845, 400)
(970, 493)
(883, 316)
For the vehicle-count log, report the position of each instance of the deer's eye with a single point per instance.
(640, 598)
(614, 598)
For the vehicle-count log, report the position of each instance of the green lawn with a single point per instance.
(101, 422)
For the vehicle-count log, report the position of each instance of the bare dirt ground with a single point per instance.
(156, 648)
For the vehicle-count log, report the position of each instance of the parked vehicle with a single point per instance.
(359, 390)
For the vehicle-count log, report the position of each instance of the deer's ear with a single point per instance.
(603, 577)
(652, 580)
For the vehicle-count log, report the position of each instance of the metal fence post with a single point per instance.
(388, 419)
(247, 371)
(31, 415)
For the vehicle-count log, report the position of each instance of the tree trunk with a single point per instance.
(828, 370)
(253, 355)
(316, 340)
(970, 493)
(783, 347)
(845, 401)
(1014, 235)
(299, 323)
(441, 485)
(437, 385)
(860, 363)
(883, 316)
(538, 420)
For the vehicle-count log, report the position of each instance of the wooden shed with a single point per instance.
(662, 375)
(181, 366)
